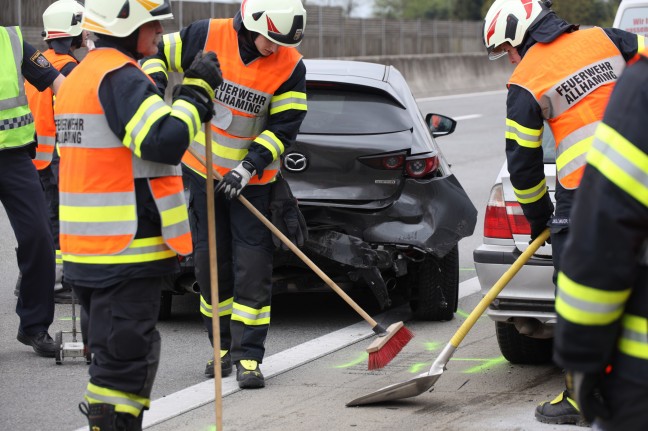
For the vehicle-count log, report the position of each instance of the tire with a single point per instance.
(434, 287)
(58, 341)
(520, 349)
(165, 306)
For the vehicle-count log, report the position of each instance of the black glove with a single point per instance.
(537, 227)
(286, 215)
(204, 74)
(235, 180)
(586, 391)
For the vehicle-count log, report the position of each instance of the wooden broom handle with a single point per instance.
(213, 278)
(291, 246)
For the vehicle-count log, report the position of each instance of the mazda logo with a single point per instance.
(295, 162)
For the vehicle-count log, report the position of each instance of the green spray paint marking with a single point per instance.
(487, 363)
(431, 346)
(363, 357)
(466, 269)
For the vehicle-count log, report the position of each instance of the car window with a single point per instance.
(352, 110)
(548, 145)
(635, 20)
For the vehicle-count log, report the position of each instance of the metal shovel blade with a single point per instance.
(398, 391)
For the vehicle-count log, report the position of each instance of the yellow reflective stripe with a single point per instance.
(276, 149)
(205, 308)
(524, 136)
(201, 83)
(155, 65)
(130, 255)
(251, 316)
(609, 140)
(225, 307)
(585, 305)
(173, 215)
(173, 51)
(124, 402)
(58, 257)
(97, 214)
(634, 338)
(188, 114)
(574, 151)
(641, 42)
(143, 119)
(527, 196)
(295, 104)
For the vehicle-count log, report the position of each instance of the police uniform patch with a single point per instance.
(39, 60)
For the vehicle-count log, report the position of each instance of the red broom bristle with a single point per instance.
(390, 349)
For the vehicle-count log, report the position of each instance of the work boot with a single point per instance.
(561, 410)
(102, 417)
(42, 343)
(226, 365)
(249, 375)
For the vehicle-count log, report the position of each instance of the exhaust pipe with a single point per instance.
(187, 283)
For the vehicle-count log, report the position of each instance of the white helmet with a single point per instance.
(509, 21)
(120, 18)
(62, 19)
(281, 21)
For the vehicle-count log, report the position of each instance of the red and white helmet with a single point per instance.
(62, 19)
(281, 21)
(509, 21)
(120, 18)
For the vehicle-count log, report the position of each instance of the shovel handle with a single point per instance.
(497, 288)
(292, 247)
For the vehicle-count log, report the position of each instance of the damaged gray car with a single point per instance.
(383, 209)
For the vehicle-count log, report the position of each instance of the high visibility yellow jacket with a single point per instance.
(41, 105)
(602, 300)
(98, 209)
(16, 120)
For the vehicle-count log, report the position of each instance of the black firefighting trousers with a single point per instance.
(244, 250)
(121, 333)
(22, 196)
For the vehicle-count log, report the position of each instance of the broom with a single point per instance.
(213, 278)
(390, 341)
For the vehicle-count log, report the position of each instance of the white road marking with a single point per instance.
(200, 394)
(461, 96)
(467, 117)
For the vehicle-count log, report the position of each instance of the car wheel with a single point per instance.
(165, 306)
(434, 287)
(520, 349)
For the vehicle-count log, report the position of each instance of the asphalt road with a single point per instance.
(480, 390)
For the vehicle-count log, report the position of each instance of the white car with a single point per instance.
(524, 311)
(632, 16)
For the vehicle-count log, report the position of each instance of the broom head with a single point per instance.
(388, 345)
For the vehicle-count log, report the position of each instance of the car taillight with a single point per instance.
(517, 221)
(496, 223)
(391, 162)
(504, 219)
(421, 167)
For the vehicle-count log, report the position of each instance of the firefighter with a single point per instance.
(259, 108)
(20, 190)
(63, 34)
(123, 213)
(563, 77)
(602, 331)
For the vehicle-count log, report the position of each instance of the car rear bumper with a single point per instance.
(529, 294)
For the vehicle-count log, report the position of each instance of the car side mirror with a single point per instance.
(440, 125)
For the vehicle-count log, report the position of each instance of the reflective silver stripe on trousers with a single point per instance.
(589, 306)
(115, 400)
(17, 49)
(554, 104)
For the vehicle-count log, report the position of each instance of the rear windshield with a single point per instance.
(635, 20)
(352, 110)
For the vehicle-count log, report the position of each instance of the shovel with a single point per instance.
(424, 382)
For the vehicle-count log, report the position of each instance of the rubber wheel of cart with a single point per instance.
(58, 340)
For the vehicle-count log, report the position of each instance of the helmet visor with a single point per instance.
(293, 37)
(496, 52)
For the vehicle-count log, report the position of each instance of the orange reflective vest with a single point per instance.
(572, 79)
(98, 208)
(242, 102)
(41, 105)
